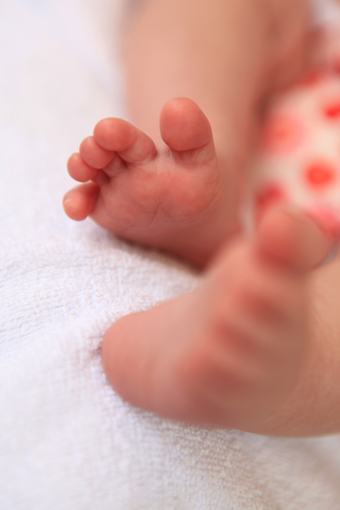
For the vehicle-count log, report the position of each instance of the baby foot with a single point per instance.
(231, 353)
(171, 199)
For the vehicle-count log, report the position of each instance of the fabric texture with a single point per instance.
(67, 442)
(298, 156)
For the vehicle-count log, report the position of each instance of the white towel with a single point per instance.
(66, 441)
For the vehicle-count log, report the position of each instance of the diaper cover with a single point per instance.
(298, 158)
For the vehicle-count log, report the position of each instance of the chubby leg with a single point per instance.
(226, 55)
(251, 348)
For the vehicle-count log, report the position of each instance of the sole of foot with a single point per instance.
(230, 353)
(170, 198)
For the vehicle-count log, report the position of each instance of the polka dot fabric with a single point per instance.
(298, 159)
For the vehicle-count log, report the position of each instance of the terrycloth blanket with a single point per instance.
(67, 442)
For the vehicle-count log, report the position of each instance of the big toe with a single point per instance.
(187, 131)
(294, 239)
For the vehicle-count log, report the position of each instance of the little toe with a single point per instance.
(79, 170)
(187, 132)
(132, 145)
(80, 202)
(94, 155)
(294, 239)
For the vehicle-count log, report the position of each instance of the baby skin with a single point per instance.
(255, 346)
(171, 199)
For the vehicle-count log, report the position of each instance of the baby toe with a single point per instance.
(94, 155)
(80, 202)
(132, 144)
(79, 170)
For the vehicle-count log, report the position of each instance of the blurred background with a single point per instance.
(59, 74)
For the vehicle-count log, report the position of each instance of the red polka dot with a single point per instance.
(332, 110)
(320, 174)
(270, 195)
(283, 133)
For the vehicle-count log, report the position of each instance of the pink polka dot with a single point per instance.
(320, 174)
(332, 110)
(283, 133)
